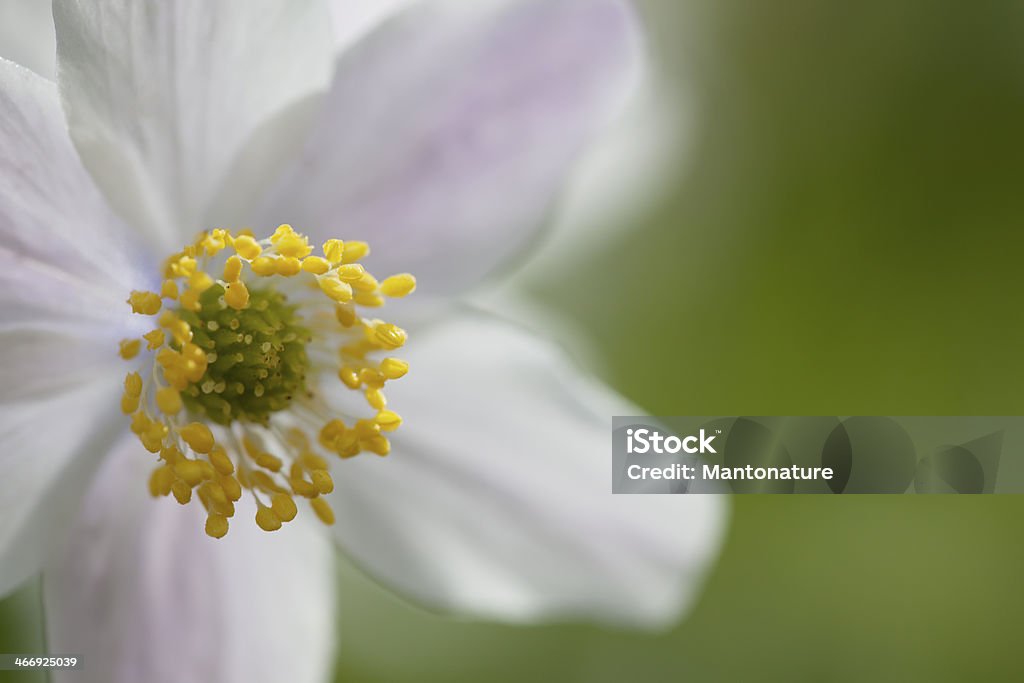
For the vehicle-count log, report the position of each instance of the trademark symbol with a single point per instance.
(718, 431)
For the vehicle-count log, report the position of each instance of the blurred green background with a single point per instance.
(843, 237)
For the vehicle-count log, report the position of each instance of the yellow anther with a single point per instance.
(215, 242)
(393, 368)
(390, 336)
(236, 295)
(283, 506)
(268, 461)
(287, 266)
(371, 378)
(129, 348)
(332, 431)
(129, 404)
(208, 471)
(367, 283)
(368, 299)
(154, 339)
(198, 436)
(232, 489)
(264, 266)
(189, 471)
(169, 290)
(170, 454)
(220, 461)
(216, 525)
(247, 247)
(367, 428)
(200, 281)
(182, 492)
(168, 400)
(303, 488)
(190, 300)
(140, 422)
(376, 399)
(322, 481)
(334, 250)
(232, 269)
(216, 494)
(346, 315)
(388, 420)
(179, 329)
(354, 251)
(398, 286)
(312, 461)
(323, 511)
(284, 230)
(293, 246)
(349, 377)
(145, 303)
(336, 289)
(377, 444)
(316, 265)
(133, 384)
(348, 446)
(351, 272)
(227, 508)
(183, 266)
(161, 481)
(267, 519)
(153, 436)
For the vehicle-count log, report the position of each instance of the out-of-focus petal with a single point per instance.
(64, 256)
(496, 498)
(353, 19)
(449, 131)
(26, 35)
(161, 95)
(50, 449)
(142, 594)
(66, 266)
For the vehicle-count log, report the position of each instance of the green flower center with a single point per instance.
(256, 357)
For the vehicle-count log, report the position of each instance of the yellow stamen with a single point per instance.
(398, 286)
(267, 519)
(216, 525)
(323, 510)
(334, 250)
(168, 400)
(354, 251)
(229, 352)
(145, 303)
(393, 368)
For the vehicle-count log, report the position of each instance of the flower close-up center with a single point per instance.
(256, 356)
(228, 392)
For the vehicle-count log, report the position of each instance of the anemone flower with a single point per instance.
(242, 372)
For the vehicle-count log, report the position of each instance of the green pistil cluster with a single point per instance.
(256, 356)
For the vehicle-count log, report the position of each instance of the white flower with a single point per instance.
(442, 139)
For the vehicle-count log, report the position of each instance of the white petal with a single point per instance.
(496, 499)
(63, 253)
(448, 132)
(353, 19)
(142, 594)
(161, 95)
(26, 36)
(50, 449)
